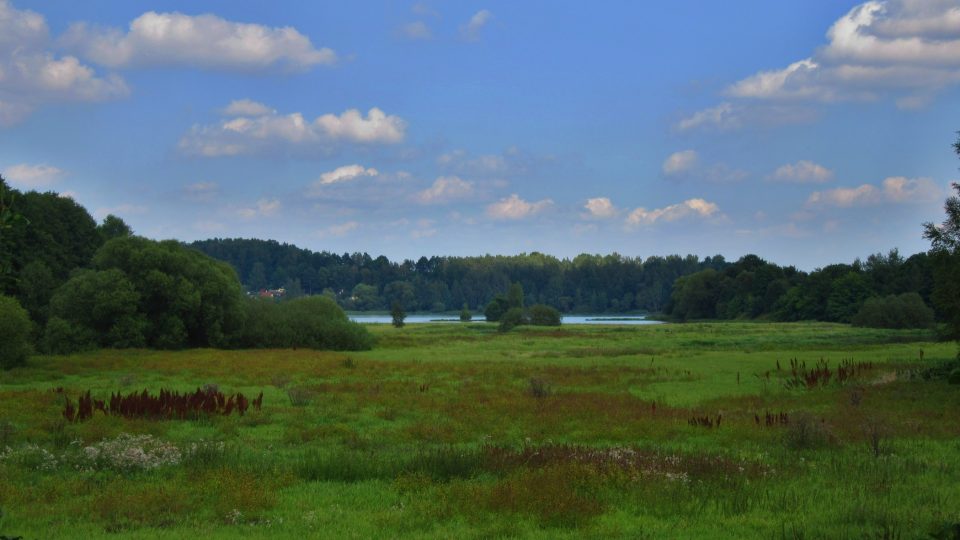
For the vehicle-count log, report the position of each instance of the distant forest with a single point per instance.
(684, 287)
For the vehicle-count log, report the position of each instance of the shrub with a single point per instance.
(314, 322)
(543, 315)
(465, 315)
(496, 309)
(15, 327)
(512, 318)
(954, 377)
(903, 311)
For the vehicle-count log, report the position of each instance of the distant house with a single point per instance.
(271, 293)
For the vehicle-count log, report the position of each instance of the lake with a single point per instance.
(419, 318)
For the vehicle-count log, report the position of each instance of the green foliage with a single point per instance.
(695, 296)
(313, 322)
(465, 315)
(95, 309)
(954, 377)
(15, 329)
(496, 308)
(512, 318)
(515, 296)
(113, 227)
(187, 298)
(543, 315)
(895, 311)
(847, 295)
(397, 315)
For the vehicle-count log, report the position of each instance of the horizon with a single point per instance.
(807, 133)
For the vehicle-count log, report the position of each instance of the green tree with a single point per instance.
(95, 309)
(945, 253)
(496, 308)
(113, 227)
(515, 296)
(894, 311)
(543, 315)
(15, 330)
(465, 315)
(512, 318)
(397, 314)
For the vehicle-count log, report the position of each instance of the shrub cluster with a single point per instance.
(15, 330)
(314, 322)
(895, 311)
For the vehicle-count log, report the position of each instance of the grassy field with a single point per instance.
(456, 431)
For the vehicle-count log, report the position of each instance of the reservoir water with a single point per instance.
(419, 318)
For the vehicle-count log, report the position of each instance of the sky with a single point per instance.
(808, 132)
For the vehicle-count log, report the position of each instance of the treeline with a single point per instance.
(754, 288)
(69, 284)
(585, 284)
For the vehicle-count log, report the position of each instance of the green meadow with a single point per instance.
(458, 431)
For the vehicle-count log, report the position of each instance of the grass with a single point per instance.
(461, 431)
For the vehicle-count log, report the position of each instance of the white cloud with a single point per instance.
(352, 126)
(346, 174)
(32, 76)
(416, 30)
(723, 117)
(906, 48)
(513, 207)
(264, 208)
(246, 107)
(202, 41)
(28, 176)
(445, 189)
(689, 208)
(802, 172)
(600, 207)
(893, 190)
(679, 162)
(338, 230)
(201, 191)
(259, 129)
(471, 30)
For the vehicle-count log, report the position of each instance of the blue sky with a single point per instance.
(807, 132)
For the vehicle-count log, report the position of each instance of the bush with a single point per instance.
(465, 315)
(496, 309)
(543, 315)
(513, 317)
(15, 330)
(903, 311)
(314, 322)
(954, 377)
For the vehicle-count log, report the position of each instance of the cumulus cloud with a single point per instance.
(680, 162)
(26, 176)
(201, 41)
(346, 174)
(246, 107)
(416, 30)
(341, 229)
(471, 30)
(513, 207)
(263, 208)
(600, 207)
(722, 117)
(879, 47)
(893, 190)
(253, 128)
(802, 172)
(445, 189)
(699, 208)
(32, 76)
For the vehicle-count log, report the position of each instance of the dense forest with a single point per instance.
(587, 283)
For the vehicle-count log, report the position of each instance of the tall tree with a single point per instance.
(945, 241)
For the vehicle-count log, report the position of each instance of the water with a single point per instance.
(420, 318)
